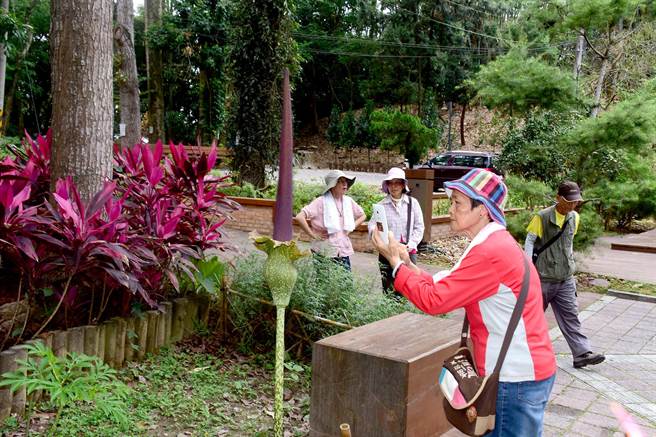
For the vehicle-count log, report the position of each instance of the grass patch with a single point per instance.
(585, 283)
(194, 393)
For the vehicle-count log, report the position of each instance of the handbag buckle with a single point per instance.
(471, 414)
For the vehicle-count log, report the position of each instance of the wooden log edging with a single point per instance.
(116, 342)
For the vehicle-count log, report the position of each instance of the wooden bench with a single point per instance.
(382, 378)
(223, 154)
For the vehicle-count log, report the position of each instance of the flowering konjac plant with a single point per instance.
(127, 244)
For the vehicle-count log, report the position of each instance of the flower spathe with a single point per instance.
(279, 270)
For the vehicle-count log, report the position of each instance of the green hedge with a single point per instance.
(323, 289)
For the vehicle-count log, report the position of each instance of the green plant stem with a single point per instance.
(61, 300)
(279, 375)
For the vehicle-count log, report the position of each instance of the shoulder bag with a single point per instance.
(469, 399)
(537, 252)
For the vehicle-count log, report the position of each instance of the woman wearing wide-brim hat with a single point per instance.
(404, 220)
(331, 217)
(486, 281)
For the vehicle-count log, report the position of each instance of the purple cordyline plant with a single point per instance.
(136, 232)
(86, 250)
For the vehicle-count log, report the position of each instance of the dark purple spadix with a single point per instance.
(282, 215)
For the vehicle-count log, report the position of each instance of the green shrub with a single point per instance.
(527, 193)
(364, 195)
(590, 226)
(532, 150)
(249, 190)
(304, 193)
(70, 380)
(323, 289)
(620, 203)
(516, 224)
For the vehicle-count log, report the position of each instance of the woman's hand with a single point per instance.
(391, 251)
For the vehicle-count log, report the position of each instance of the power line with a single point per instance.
(349, 39)
(367, 55)
(456, 27)
(377, 55)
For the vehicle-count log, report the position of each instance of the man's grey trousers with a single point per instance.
(562, 297)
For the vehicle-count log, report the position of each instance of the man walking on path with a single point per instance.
(550, 236)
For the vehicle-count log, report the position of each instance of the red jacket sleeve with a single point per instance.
(473, 280)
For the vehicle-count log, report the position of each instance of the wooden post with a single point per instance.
(7, 364)
(141, 329)
(101, 341)
(111, 326)
(161, 329)
(20, 396)
(192, 314)
(345, 430)
(168, 320)
(119, 356)
(204, 303)
(60, 343)
(90, 340)
(151, 342)
(76, 340)
(47, 339)
(179, 315)
(130, 339)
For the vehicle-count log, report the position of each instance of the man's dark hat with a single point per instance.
(570, 191)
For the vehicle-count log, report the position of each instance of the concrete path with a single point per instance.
(624, 330)
(602, 260)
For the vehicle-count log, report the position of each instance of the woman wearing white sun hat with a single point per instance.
(404, 220)
(331, 217)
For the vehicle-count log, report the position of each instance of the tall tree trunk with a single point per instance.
(82, 112)
(580, 50)
(155, 81)
(4, 8)
(605, 64)
(204, 108)
(462, 124)
(129, 81)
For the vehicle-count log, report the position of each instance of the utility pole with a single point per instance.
(4, 9)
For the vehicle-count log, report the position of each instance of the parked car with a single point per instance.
(452, 165)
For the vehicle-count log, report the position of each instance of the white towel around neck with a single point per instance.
(331, 216)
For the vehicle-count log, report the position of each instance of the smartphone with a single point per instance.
(380, 218)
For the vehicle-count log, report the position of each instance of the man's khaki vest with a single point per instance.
(556, 263)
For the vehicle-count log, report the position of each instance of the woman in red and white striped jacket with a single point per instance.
(486, 282)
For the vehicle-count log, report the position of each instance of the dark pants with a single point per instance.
(386, 275)
(343, 261)
(562, 297)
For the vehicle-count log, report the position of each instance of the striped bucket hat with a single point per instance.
(484, 186)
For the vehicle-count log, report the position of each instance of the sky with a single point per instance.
(137, 3)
